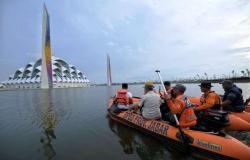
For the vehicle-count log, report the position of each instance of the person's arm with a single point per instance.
(176, 106)
(210, 102)
(114, 98)
(229, 99)
(130, 101)
(130, 98)
(226, 103)
(138, 104)
(247, 101)
(166, 97)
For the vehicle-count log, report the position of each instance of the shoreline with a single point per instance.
(186, 82)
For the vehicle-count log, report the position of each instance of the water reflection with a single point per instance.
(49, 121)
(133, 143)
(125, 136)
(58, 124)
(109, 92)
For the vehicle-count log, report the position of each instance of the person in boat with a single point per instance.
(150, 102)
(181, 106)
(123, 98)
(210, 99)
(232, 98)
(164, 107)
(167, 86)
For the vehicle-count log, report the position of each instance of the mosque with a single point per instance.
(47, 72)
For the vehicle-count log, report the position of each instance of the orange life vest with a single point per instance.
(187, 117)
(210, 100)
(121, 97)
(183, 108)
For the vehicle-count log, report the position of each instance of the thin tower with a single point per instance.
(46, 75)
(109, 78)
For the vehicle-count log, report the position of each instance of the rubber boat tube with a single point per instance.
(206, 143)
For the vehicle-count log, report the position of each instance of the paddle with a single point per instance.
(176, 120)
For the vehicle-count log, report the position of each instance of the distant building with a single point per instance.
(49, 71)
(64, 75)
(2, 86)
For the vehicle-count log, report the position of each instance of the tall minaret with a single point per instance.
(109, 78)
(46, 75)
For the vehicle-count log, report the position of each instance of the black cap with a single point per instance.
(206, 84)
(226, 82)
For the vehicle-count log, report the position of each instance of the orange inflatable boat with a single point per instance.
(208, 144)
(247, 108)
(247, 105)
(238, 121)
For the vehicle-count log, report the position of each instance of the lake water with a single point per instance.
(73, 124)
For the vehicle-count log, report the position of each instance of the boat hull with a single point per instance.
(238, 121)
(247, 109)
(210, 145)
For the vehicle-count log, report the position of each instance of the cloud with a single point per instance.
(180, 38)
(111, 44)
(242, 49)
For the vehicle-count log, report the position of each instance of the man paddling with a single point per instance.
(180, 105)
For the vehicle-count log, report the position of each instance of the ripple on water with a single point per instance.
(78, 119)
(243, 136)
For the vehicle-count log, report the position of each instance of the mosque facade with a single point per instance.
(47, 72)
(64, 75)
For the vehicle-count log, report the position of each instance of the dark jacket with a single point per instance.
(235, 96)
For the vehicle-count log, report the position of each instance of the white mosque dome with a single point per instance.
(62, 73)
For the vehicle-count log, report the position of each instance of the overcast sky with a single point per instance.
(181, 38)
